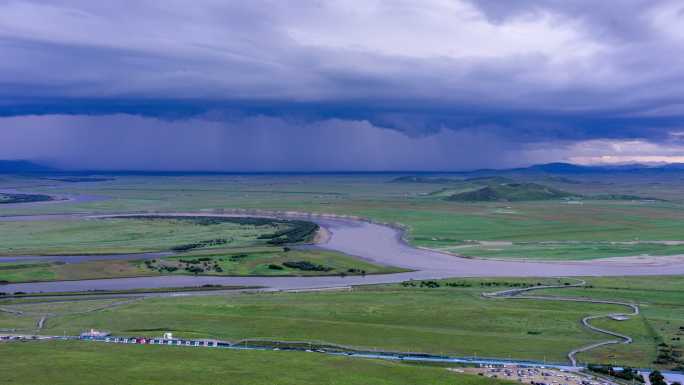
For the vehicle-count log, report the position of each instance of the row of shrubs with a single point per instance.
(23, 198)
(300, 231)
(435, 284)
(306, 266)
(195, 266)
(196, 261)
(200, 244)
(428, 284)
(207, 221)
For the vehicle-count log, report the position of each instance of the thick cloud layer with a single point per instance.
(519, 73)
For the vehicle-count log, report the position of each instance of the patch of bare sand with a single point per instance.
(322, 235)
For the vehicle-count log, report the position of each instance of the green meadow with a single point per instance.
(124, 235)
(658, 331)
(549, 229)
(76, 363)
(454, 320)
(263, 261)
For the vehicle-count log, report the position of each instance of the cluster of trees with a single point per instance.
(668, 355)
(200, 265)
(23, 198)
(626, 373)
(428, 284)
(207, 221)
(657, 378)
(194, 266)
(197, 245)
(150, 264)
(195, 261)
(297, 232)
(306, 266)
(458, 284)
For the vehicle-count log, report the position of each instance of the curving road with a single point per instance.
(572, 355)
(377, 243)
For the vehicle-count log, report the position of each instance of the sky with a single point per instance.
(314, 85)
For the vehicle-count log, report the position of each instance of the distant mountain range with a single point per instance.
(569, 168)
(558, 168)
(23, 166)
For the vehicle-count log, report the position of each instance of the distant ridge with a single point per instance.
(14, 166)
(422, 179)
(560, 168)
(22, 166)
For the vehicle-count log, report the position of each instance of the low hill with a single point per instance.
(510, 192)
(624, 197)
(488, 180)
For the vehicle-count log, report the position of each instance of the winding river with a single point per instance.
(376, 243)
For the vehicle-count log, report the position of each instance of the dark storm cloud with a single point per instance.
(522, 72)
(246, 144)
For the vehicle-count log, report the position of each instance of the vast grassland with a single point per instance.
(453, 319)
(74, 363)
(552, 229)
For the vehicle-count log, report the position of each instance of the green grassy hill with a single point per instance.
(510, 192)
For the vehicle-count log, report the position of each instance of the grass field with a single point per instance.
(74, 363)
(123, 235)
(453, 320)
(271, 261)
(551, 229)
(661, 301)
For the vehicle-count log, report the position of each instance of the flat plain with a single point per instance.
(556, 229)
(452, 319)
(57, 362)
